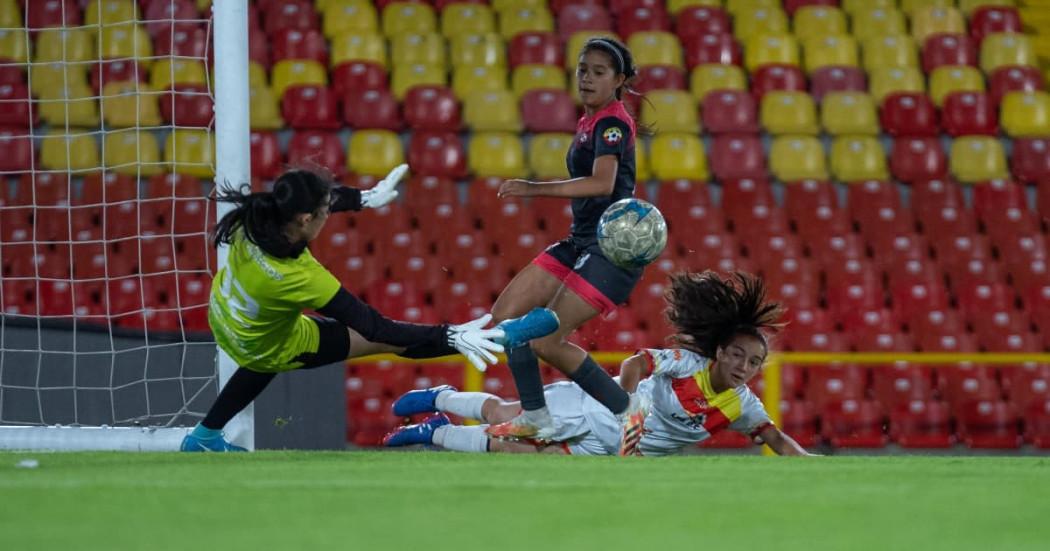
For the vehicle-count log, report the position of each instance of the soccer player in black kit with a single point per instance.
(573, 277)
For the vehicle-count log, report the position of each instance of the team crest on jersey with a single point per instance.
(612, 135)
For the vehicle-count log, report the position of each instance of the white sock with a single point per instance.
(462, 439)
(538, 417)
(465, 404)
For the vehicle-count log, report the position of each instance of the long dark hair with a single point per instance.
(708, 311)
(263, 215)
(623, 63)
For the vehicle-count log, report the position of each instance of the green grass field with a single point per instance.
(375, 500)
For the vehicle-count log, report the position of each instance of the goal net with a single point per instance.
(108, 137)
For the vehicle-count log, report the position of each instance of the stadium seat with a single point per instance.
(969, 113)
(190, 152)
(874, 21)
(830, 385)
(699, 20)
(185, 106)
(263, 109)
(267, 161)
(655, 48)
(14, 45)
(576, 18)
(52, 79)
(374, 152)
(532, 48)
(310, 106)
(710, 77)
(854, 424)
(908, 114)
(750, 23)
(19, 148)
(133, 153)
(467, 81)
(1026, 114)
(317, 150)
(951, 79)
(18, 110)
(72, 152)
(289, 15)
(297, 44)
(796, 158)
(547, 156)
(496, 154)
(659, 77)
(1037, 425)
(418, 49)
(889, 80)
(942, 50)
(357, 18)
(477, 50)
(548, 111)
(829, 51)
(575, 45)
(492, 111)
(408, 18)
(989, 424)
(678, 156)
(632, 20)
(405, 77)
(125, 41)
(671, 111)
(708, 49)
(768, 49)
(74, 106)
(921, 423)
(738, 156)
(525, 19)
(532, 77)
(40, 15)
(290, 73)
(933, 20)
(1030, 162)
(359, 47)
(788, 113)
(437, 153)
(432, 108)
(463, 19)
(886, 52)
(849, 113)
(1006, 49)
(994, 19)
(858, 158)
(775, 77)
(359, 75)
(977, 159)
(68, 45)
(1014, 79)
(729, 112)
(110, 12)
(918, 158)
(837, 79)
(816, 21)
(167, 73)
(377, 109)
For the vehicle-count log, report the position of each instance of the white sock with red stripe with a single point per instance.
(465, 404)
(462, 439)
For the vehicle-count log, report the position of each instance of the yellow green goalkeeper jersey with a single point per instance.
(257, 303)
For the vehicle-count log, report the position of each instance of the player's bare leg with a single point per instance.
(532, 287)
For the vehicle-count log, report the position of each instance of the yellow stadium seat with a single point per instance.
(355, 18)
(492, 111)
(1026, 114)
(885, 52)
(471, 50)
(828, 50)
(770, 48)
(71, 45)
(671, 111)
(359, 47)
(132, 152)
(203, 6)
(125, 41)
(797, 158)
(295, 72)
(759, 21)
(708, 77)
(530, 19)
(257, 75)
(675, 6)
(849, 113)
(412, 49)
(49, 79)
(504, 5)
(910, 7)
(190, 152)
(576, 42)
(858, 158)
(129, 104)
(76, 151)
(887, 80)
(374, 152)
(814, 21)
(969, 6)
(408, 18)
(1001, 49)
(496, 154)
(407, 76)
(735, 7)
(678, 157)
(875, 22)
(935, 20)
(324, 6)
(642, 172)
(853, 7)
(169, 72)
(977, 159)
(110, 12)
(532, 77)
(263, 110)
(14, 45)
(655, 48)
(547, 156)
(469, 80)
(459, 19)
(788, 113)
(76, 106)
(950, 78)
(10, 14)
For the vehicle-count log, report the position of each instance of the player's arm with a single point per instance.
(599, 184)
(780, 442)
(632, 370)
(347, 198)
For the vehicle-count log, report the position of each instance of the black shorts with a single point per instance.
(589, 274)
(333, 344)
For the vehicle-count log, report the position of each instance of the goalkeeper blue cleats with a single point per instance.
(538, 323)
(419, 401)
(422, 433)
(206, 440)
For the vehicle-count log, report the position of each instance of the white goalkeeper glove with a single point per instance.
(386, 190)
(476, 343)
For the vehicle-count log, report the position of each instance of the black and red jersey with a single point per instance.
(610, 131)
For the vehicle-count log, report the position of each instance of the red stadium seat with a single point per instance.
(545, 110)
(1014, 78)
(40, 15)
(535, 48)
(173, 185)
(918, 159)
(956, 252)
(1030, 162)
(582, 17)
(943, 49)
(969, 113)
(1026, 385)
(908, 114)
(896, 385)
(989, 424)
(358, 76)
(299, 44)
(802, 199)
(738, 157)
(866, 199)
(11, 75)
(432, 108)
(930, 197)
(18, 111)
(699, 20)
(921, 424)
(642, 19)
(1005, 330)
(702, 49)
(371, 109)
(267, 161)
(43, 189)
(740, 196)
(161, 16)
(556, 6)
(729, 111)
(660, 77)
(911, 301)
(797, 419)
(120, 70)
(317, 149)
(436, 153)
(837, 79)
(982, 300)
(258, 46)
(1037, 425)
(776, 76)
(294, 14)
(311, 107)
(854, 424)
(987, 20)
(18, 151)
(111, 188)
(929, 328)
(992, 198)
(188, 105)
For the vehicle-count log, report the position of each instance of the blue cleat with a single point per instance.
(423, 433)
(539, 322)
(419, 401)
(193, 443)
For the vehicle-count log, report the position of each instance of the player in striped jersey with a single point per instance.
(696, 389)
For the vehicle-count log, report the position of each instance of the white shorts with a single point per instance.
(585, 426)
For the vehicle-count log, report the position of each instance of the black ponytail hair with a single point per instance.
(263, 215)
(623, 63)
(708, 311)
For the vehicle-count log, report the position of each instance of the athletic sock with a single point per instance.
(596, 382)
(243, 387)
(204, 433)
(462, 439)
(464, 404)
(526, 371)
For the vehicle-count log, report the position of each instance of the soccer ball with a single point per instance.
(632, 233)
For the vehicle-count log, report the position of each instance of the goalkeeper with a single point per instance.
(270, 277)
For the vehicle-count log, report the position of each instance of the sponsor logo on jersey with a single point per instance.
(612, 135)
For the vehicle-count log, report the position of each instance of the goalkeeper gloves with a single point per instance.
(386, 190)
(476, 343)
